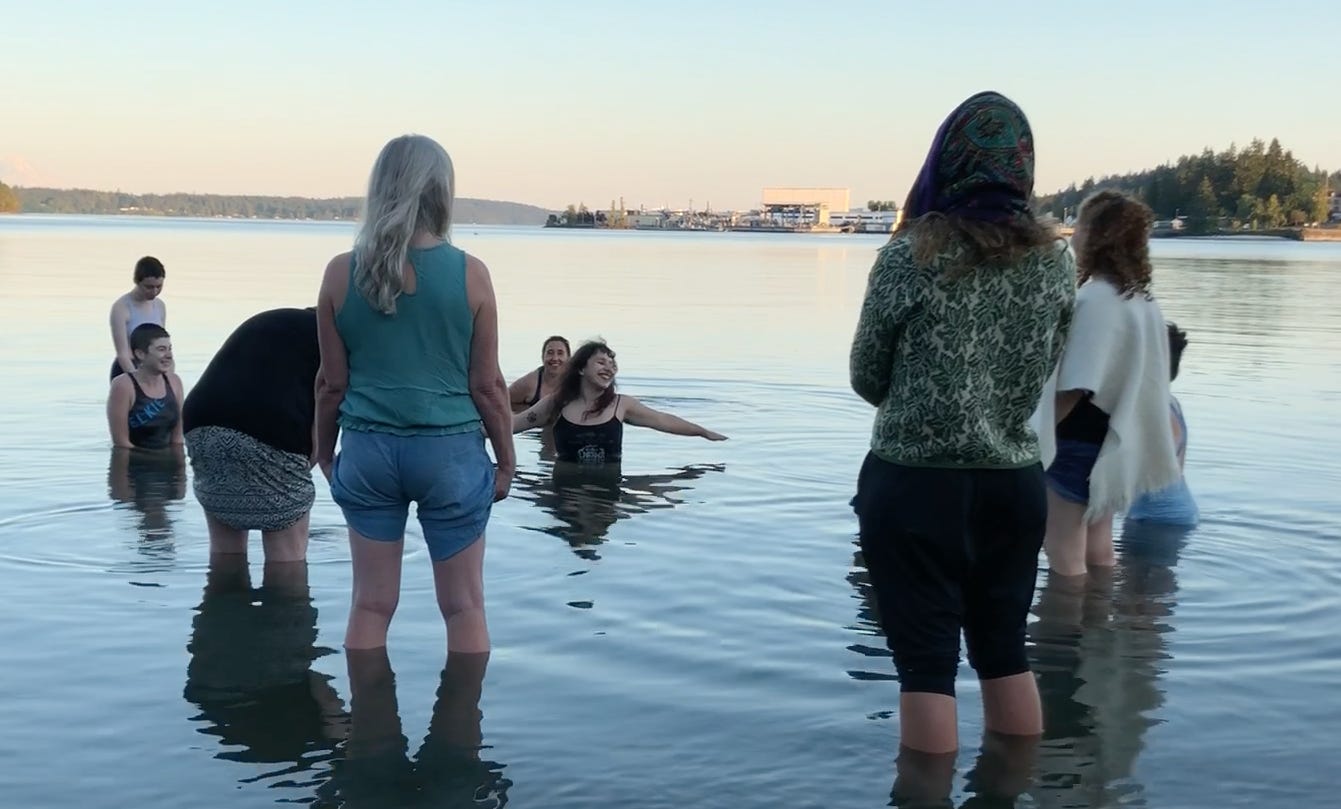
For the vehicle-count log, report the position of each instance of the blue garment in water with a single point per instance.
(1172, 505)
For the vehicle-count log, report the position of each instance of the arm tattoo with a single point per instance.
(531, 418)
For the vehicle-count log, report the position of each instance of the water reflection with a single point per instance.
(1000, 775)
(1098, 648)
(589, 499)
(868, 623)
(147, 480)
(251, 676)
(447, 771)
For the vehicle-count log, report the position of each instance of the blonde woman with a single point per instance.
(408, 329)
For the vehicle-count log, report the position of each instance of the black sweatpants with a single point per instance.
(951, 550)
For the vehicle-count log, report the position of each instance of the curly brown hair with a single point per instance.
(981, 244)
(1115, 245)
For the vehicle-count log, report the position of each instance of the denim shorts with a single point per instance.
(1069, 474)
(450, 478)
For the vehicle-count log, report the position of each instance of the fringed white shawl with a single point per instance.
(1117, 348)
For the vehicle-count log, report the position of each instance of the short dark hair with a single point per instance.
(149, 267)
(1177, 342)
(145, 334)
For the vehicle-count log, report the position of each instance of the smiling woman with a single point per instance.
(144, 406)
(589, 416)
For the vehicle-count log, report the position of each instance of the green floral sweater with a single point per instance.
(955, 367)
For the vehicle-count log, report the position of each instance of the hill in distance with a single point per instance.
(85, 201)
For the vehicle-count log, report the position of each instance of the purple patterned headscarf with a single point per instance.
(981, 164)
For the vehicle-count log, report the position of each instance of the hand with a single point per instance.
(325, 465)
(711, 436)
(502, 482)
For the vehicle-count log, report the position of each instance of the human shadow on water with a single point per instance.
(250, 673)
(447, 771)
(147, 481)
(1097, 648)
(588, 499)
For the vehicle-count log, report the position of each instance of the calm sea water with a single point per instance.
(697, 634)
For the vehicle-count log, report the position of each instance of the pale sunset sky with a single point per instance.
(659, 102)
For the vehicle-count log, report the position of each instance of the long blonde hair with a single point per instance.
(411, 189)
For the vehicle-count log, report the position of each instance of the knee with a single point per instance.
(927, 671)
(381, 604)
(462, 600)
(997, 654)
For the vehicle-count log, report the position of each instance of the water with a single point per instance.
(697, 634)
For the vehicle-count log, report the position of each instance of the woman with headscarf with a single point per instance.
(964, 318)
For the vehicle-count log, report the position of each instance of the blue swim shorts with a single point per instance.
(450, 478)
(1069, 474)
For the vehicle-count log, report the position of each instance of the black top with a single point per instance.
(152, 420)
(261, 381)
(589, 443)
(1086, 422)
(539, 381)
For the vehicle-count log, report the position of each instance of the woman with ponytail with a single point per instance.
(408, 327)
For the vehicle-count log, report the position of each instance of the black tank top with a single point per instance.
(152, 420)
(539, 382)
(589, 443)
(1086, 422)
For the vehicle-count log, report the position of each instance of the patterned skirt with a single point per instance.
(247, 484)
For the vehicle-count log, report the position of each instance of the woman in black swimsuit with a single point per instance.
(589, 417)
(528, 390)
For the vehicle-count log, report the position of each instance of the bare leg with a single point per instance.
(223, 539)
(1011, 706)
(289, 545)
(1064, 542)
(1005, 768)
(922, 779)
(376, 590)
(928, 723)
(459, 582)
(1099, 542)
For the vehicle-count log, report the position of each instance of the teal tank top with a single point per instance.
(409, 373)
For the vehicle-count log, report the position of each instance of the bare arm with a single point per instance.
(1066, 402)
(177, 439)
(519, 392)
(119, 400)
(333, 375)
(541, 414)
(640, 415)
(120, 339)
(488, 388)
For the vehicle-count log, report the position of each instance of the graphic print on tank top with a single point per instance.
(589, 443)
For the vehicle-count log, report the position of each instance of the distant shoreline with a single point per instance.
(89, 202)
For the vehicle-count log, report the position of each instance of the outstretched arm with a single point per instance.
(640, 415)
(541, 414)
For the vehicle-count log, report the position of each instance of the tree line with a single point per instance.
(1260, 186)
(9, 201)
(86, 201)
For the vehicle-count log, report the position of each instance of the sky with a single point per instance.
(659, 103)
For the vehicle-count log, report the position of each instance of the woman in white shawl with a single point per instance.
(1110, 390)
